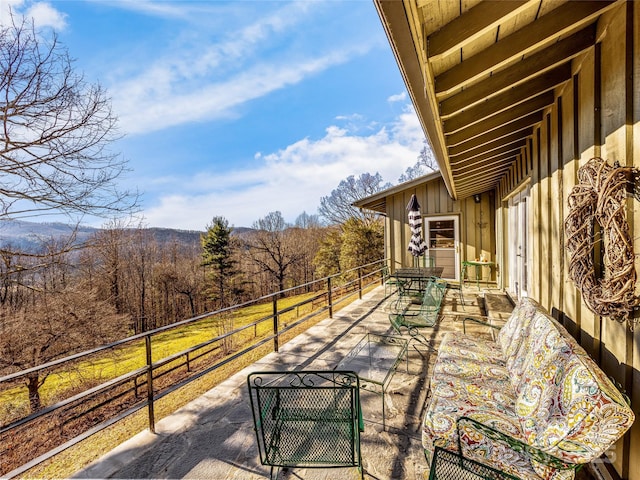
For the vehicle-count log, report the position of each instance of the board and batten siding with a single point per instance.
(475, 222)
(596, 113)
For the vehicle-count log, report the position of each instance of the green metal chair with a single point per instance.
(391, 283)
(309, 419)
(414, 316)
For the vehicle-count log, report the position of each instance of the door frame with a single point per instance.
(518, 240)
(456, 245)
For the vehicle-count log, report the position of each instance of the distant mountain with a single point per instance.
(29, 236)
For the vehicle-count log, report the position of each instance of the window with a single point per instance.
(441, 234)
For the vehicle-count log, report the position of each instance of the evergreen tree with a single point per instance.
(362, 243)
(218, 249)
(327, 259)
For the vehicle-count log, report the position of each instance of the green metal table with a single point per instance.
(478, 270)
(375, 359)
(416, 275)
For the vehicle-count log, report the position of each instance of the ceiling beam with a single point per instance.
(517, 97)
(477, 181)
(483, 163)
(487, 147)
(530, 67)
(480, 183)
(524, 117)
(470, 25)
(559, 21)
(489, 137)
(487, 158)
(480, 188)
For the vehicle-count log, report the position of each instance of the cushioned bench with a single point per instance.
(532, 404)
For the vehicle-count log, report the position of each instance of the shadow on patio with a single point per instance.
(213, 436)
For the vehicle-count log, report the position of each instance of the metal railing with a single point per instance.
(81, 407)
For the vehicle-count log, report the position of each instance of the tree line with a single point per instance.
(65, 298)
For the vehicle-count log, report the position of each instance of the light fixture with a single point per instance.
(476, 198)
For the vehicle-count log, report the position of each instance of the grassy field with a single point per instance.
(62, 383)
(130, 357)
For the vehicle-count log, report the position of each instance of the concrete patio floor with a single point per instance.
(213, 437)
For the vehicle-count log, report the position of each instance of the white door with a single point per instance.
(443, 240)
(518, 244)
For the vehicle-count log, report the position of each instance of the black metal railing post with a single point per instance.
(329, 297)
(152, 416)
(360, 283)
(276, 343)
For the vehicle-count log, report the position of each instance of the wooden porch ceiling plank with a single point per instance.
(488, 157)
(477, 184)
(523, 118)
(471, 24)
(510, 101)
(478, 189)
(565, 18)
(530, 67)
(478, 180)
(487, 166)
(489, 137)
(484, 169)
(488, 147)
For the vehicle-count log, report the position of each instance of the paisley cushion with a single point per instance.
(535, 384)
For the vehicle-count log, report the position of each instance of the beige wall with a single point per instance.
(573, 130)
(435, 201)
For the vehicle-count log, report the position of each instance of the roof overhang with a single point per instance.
(481, 73)
(378, 201)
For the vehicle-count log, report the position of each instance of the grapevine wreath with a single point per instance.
(600, 195)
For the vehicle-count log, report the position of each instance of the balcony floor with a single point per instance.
(213, 436)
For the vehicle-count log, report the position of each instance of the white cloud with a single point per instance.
(42, 13)
(7, 7)
(400, 97)
(196, 81)
(143, 108)
(291, 180)
(353, 117)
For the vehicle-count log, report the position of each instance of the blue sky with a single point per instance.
(240, 108)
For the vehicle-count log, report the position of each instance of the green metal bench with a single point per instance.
(309, 419)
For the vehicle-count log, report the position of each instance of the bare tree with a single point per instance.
(51, 313)
(54, 133)
(337, 208)
(426, 164)
(273, 249)
(307, 235)
(304, 220)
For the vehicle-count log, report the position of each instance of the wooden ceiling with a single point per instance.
(481, 73)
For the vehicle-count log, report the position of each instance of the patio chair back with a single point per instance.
(307, 418)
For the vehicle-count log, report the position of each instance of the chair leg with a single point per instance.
(461, 295)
